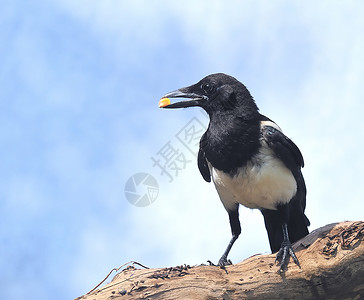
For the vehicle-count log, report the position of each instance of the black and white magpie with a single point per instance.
(250, 161)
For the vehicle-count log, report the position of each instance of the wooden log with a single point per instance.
(332, 267)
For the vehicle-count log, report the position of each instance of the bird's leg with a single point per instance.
(235, 230)
(285, 252)
(223, 261)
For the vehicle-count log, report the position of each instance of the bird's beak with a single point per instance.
(193, 99)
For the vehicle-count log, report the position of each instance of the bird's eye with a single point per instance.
(208, 88)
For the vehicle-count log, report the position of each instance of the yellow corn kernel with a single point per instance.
(164, 102)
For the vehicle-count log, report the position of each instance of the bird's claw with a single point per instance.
(283, 255)
(211, 263)
(223, 261)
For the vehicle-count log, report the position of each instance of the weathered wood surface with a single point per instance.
(332, 267)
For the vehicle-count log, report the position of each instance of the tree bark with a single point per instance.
(332, 267)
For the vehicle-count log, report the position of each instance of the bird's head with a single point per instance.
(216, 93)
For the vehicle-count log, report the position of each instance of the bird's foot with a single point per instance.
(223, 261)
(283, 255)
(211, 263)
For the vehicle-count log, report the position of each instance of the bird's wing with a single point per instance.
(283, 147)
(202, 162)
(291, 156)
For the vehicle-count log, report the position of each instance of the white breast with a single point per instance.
(263, 183)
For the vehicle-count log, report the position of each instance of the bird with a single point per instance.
(250, 161)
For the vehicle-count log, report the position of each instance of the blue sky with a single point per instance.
(80, 83)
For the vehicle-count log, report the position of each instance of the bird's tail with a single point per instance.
(297, 228)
